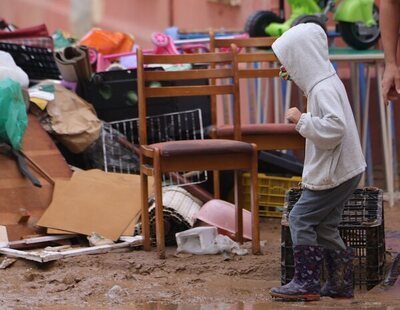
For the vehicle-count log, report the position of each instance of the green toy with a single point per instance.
(357, 21)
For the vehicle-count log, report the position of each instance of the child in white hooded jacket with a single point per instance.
(333, 166)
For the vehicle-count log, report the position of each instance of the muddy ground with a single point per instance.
(124, 279)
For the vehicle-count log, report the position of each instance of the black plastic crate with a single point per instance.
(37, 62)
(363, 208)
(362, 228)
(114, 96)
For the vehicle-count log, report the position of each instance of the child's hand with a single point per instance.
(293, 115)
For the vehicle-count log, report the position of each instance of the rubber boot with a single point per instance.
(339, 265)
(305, 284)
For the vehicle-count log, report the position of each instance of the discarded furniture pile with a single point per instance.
(128, 148)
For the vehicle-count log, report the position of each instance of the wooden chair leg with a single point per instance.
(159, 206)
(216, 181)
(254, 204)
(239, 206)
(145, 211)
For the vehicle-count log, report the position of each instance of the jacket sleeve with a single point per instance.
(327, 128)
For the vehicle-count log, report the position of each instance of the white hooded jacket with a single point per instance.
(333, 152)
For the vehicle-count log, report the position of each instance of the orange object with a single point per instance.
(108, 42)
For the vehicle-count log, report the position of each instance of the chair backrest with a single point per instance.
(259, 71)
(256, 51)
(254, 42)
(187, 68)
(254, 59)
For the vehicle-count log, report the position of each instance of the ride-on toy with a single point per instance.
(357, 21)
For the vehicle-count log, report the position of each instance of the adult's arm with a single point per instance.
(389, 20)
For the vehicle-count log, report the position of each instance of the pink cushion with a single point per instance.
(259, 129)
(205, 147)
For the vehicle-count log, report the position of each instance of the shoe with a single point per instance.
(339, 264)
(305, 284)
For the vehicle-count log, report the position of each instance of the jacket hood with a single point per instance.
(303, 51)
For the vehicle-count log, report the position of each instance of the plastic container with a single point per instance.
(363, 208)
(198, 240)
(271, 191)
(362, 228)
(271, 162)
(221, 214)
(114, 96)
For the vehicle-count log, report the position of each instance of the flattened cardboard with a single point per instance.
(130, 230)
(52, 231)
(94, 201)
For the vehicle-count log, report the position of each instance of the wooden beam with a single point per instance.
(43, 256)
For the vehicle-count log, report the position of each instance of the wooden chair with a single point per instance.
(267, 136)
(192, 155)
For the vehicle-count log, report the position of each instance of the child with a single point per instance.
(333, 166)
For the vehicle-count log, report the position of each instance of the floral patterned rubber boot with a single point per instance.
(339, 264)
(305, 284)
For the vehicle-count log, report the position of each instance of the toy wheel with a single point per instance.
(360, 36)
(257, 21)
(159, 39)
(304, 19)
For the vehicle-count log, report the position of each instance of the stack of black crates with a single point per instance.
(362, 228)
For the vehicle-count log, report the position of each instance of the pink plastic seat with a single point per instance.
(221, 214)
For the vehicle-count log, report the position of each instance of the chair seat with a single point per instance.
(202, 147)
(259, 129)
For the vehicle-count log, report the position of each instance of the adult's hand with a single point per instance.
(391, 83)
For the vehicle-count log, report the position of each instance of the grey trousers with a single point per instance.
(315, 217)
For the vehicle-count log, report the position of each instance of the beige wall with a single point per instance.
(138, 17)
(25, 13)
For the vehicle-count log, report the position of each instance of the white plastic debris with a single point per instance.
(6, 262)
(205, 240)
(199, 240)
(96, 239)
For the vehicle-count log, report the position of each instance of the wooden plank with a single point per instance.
(187, 58)
(253, 57)
(245, 42)
(41, 239)
(188, 74)
(3, 236)
(16, 192)
(43, 256)
(200, 90)
(258, 73)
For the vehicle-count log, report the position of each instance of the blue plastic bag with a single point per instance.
(13, 116)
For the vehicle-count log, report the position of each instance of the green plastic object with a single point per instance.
(298, 8)
(13, 116)
(357, 20)
(62, 40)
(351, 11)
(354, 11)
